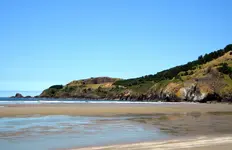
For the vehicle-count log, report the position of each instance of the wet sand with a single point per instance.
(199, 143)
(108, 109)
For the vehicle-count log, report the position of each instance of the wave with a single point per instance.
(84, 101)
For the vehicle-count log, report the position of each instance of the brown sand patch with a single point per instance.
(109, 109)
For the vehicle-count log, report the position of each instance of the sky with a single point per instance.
(47, 42)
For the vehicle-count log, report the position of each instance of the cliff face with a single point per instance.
(204, 84)
(210, 81)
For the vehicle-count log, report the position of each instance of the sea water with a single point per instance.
(57, 132)
(7, 100)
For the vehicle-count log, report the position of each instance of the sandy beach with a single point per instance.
(196, 126)
(108, 109)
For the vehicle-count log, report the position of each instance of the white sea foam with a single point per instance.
(84, 101)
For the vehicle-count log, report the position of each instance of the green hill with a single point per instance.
(205, 79)
(85, 88)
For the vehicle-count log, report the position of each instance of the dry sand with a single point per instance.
(108, 109)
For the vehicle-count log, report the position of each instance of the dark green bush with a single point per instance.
(225, 69)
(56, 87)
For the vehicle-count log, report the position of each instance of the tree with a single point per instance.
(200, 59)
(228, 48)
(56, 87)
(225, 69)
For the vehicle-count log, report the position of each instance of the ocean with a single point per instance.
(7, 100)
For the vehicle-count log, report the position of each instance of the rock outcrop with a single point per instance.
(17, 95)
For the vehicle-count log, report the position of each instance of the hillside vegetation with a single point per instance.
(205, 79)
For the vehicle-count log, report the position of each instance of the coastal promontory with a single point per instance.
(208, 78)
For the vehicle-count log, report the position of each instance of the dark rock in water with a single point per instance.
(17, 95)
(28, 96)
(37, 96)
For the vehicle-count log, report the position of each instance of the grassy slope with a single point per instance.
(209, 79)
(92, 88)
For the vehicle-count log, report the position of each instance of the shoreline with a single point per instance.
(104, 109)
(191, 116)
(111, 99)
(190, 143)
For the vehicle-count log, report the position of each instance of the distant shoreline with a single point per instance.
(41, 100)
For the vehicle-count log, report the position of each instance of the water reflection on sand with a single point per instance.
(72, 131)
(190, 124)
(52, 132)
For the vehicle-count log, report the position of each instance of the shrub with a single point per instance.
(56, 87)
(225, 69)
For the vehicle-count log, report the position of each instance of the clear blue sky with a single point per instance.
(45, 42)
